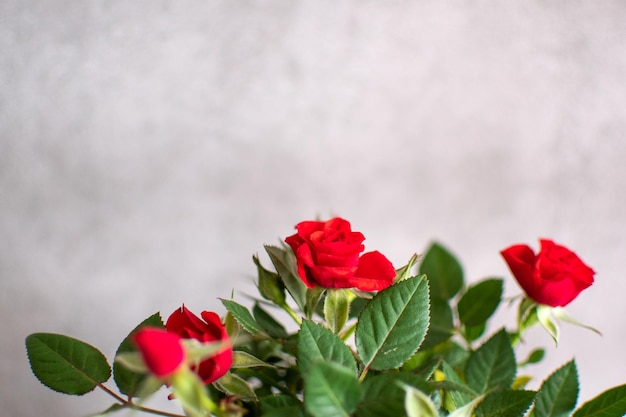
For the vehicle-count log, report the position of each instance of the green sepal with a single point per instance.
(65, 364)
(404, 272)
(337, 308)
(548, 321)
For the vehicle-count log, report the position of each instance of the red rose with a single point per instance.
(554, 277)
(162, 352)
(187, 325)
(328, 255)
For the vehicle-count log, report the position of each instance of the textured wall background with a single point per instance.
(148, 149)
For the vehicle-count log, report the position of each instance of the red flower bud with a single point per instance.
(162, 351)
(188, 326)
(554, 276)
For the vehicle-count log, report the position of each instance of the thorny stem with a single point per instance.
(130, 404)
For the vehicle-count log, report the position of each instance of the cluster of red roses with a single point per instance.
(329, 255)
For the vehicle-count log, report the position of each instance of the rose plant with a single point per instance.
(365, 339)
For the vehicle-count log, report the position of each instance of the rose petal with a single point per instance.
(161, 350)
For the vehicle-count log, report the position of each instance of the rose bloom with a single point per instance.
(328, 252)
(208, 329)
(554, 276)
(162, 352)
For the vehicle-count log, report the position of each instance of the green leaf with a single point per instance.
(243, 317)
(383, 396)
(317, 344)
(558, 393)
(330, 390)
(269, 324)
(243, 359)
(441, 323)
(269, 283)
(285, 264)
(535, 356)
(65, 364)
(127, 381)
(444, 272)
(480, 302)
(460, 398)
(468, 409)
(233, 385)
(509, 403)
(610, 403)
(281, 406)
(418, 404)
(393, 324)
(492, 365)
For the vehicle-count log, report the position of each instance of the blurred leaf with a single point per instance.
(243, 317)
(269, 324)
(111, 409)
(65, 364)
(480, 302)
(444, 272)
(269, 283)
(473, 333)
(233, 385)
(127, 380)
(610, 403)
(460, 398)
(383, 396)
(393, 324)
(558, 393)
(509, 403)
(492, 365)
(318, 344)
(535, 356)
(330, 390)
(243, 359)
(441, 323)
(281, 406)
(285, 265)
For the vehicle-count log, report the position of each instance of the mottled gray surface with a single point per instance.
(148, 149)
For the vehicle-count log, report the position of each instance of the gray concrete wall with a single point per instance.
(148, 149)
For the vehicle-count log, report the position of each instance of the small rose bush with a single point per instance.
(364, 339)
